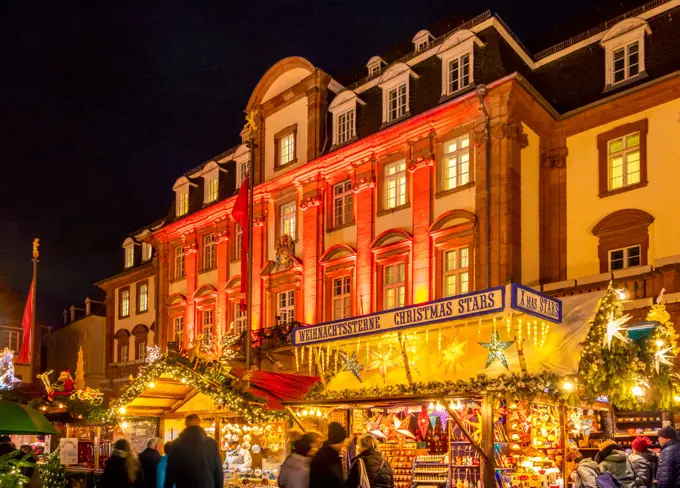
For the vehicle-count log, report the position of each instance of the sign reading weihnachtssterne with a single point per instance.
(444, 310)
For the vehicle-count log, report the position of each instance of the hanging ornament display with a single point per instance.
(7, 378)
(496, 349)
(614, 328)
(423, 421)
(443, 417)
(408, 427)
(382, 362)
(451, 358)
(351, 364)
(660, 357)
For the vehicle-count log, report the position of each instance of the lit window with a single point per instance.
(341, 298)
(288, 219)
(285, 309)
(395, 184)
(239, 242)
(623, 155)
(147, 251)
(459, 73)
(457, 162)
(208, 321)
(143, 298)
(342, 203)
(240, 317)
(394, 285)
(242, 172)
(345, 126)
(209, 255)
(129, 256)
(179, 329)
(141, 350)
(211, 189)
(396, 102)
(456, 273)
(624, 258)
(125, 303)
(182, 203)
(123, 354)
(286, 149)
(179, 262)
(12, 340)
(626, 62)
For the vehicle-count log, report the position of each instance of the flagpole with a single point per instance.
(251, 193)
(36, 255)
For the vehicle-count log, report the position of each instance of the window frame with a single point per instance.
(280, 220)
(463, 48)
(345, 295)
(278, 138)
(289, 309)
(12, 333)
(622, 229)
(626, 257)
(211, 184)
(205, 314)
(396, 285)
(129, 258)
(141, 284)
(141, 353)
(126, 348)
(344, 196)
(384, 178)
(240, 319)
(443, 178)
(209, 252)
(237, 249)
(175, 320)
(396, 90)
(457, 271)
(603, 140)
(182, 202)
(179, 257)
(242, 171)
(352, 133)
(121, 308)
(147, 252)
(622, 36)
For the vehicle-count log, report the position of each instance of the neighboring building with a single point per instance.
(130, 308)
(82, 328)
(373, 193)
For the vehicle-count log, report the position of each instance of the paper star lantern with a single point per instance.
(423, 422)
(660, 358)
(451, 356)
(352, 364)
(408, 427)
(614, 328)
(382, 361)
(496, 349)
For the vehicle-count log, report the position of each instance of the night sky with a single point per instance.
(103, 105)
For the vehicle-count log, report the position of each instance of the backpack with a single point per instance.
(607, 480)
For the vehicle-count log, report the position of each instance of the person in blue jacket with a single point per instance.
(162, 466)
(668, 472)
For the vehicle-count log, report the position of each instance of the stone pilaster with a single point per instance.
(312, 248)
(363, 186)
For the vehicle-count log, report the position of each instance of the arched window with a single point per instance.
(392, 256)
(122, 337)
(623, 239)
(452, 241)
(338, 263)
(141, 333)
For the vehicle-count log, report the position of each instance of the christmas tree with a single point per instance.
(79, 383)
(609, 363)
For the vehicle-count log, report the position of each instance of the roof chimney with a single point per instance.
(65, 317)
(73, 313)
(87, 306)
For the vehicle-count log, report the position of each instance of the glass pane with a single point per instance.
(449, 285)
(389, 298)
(615, 146)
(633, 140)
(402, 296)
(452, 146)
(464, 257)
(465, 141)
(450, 260)
(464, 284)
(401, 267)
(389, 275)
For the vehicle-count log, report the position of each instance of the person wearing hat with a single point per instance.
(668, 474)
(644, 462)
(613, 459)
(326, 468)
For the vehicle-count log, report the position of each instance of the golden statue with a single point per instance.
(249, 130)
(36, 245)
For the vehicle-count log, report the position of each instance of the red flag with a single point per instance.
(26, 324)
(241, 215)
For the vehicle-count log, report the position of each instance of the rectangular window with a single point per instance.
(459, 73)
(208, 322)
(147, 251)
(627, 257)
(342, 203)
(345, 126)
(341, 298)
(286, 149)
(125, 302)
(182, 203)
(285, 309)
(626, 62)
(422, 45)
(396, 103)
(179, 262)
(394, 284)
(209, 254)
(623, 155)
(239, 319)
(141, 350)
(178, 325)
(288, 219)
(211, 189)
(457, 162)
(395, 184)
(456, 276)
(142, 298)
(238, 246)
(123, 354)
(12, 340)
(129, 256)
(242, 173)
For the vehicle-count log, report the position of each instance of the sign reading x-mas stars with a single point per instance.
(496, 349)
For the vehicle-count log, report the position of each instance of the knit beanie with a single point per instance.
(641, 444)
(336, 433)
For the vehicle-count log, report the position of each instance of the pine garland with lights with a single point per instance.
(11, 465)
(52, 472)
(609, 371)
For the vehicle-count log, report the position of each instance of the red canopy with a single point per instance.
(278, 387)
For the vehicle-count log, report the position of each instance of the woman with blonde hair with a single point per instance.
(370, 469)
(122, 470)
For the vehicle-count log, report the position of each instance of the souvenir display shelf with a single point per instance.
(629, 425)
(586, 429)
(401, 457)
(431, 470)
(464, 461)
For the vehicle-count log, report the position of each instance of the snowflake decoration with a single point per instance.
(153, 354)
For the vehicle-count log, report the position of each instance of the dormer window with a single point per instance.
(395, 87)
(242, 172)
(422, 40)
(344, 110)
(285, 146)
(129, 256)
(345, 126)
(211, 188)
(182, 202)
(624, 46)
(375, 65)
(147, 251)
(396, 100)
(457, 56)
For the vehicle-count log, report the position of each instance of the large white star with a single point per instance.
(614, 326)
(660, 358)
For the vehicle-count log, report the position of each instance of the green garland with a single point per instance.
(11, 465)
(53, 473)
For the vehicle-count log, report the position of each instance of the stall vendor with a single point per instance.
(238, 458)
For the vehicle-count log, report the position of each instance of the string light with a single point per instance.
(479, 328)
(297, 362)
(427, 336)
(508, 325)
(439, 341)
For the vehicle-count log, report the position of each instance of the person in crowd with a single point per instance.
(6, 445)
(668, 472)
(295, 469)
(326, 468)
(122, 469)
(32, 473)
(149, 459)
(585, 473)
(194, 460)
(644, 462)
(162, 466)
(613, 459)
(316, 440)
(371, 463)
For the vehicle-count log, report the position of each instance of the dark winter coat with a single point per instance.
(614, 460)
(194, 461)
(378, 470)
(644, 465)
(326, 469)
(116, 475)
(149, 459)
(668, 473)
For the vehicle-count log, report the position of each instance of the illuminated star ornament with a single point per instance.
(452, 355)
(352, 364)
(614, 328)
(660, 358)
(496, 349)
(383, 361)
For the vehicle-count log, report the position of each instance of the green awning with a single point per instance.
(22, 419)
